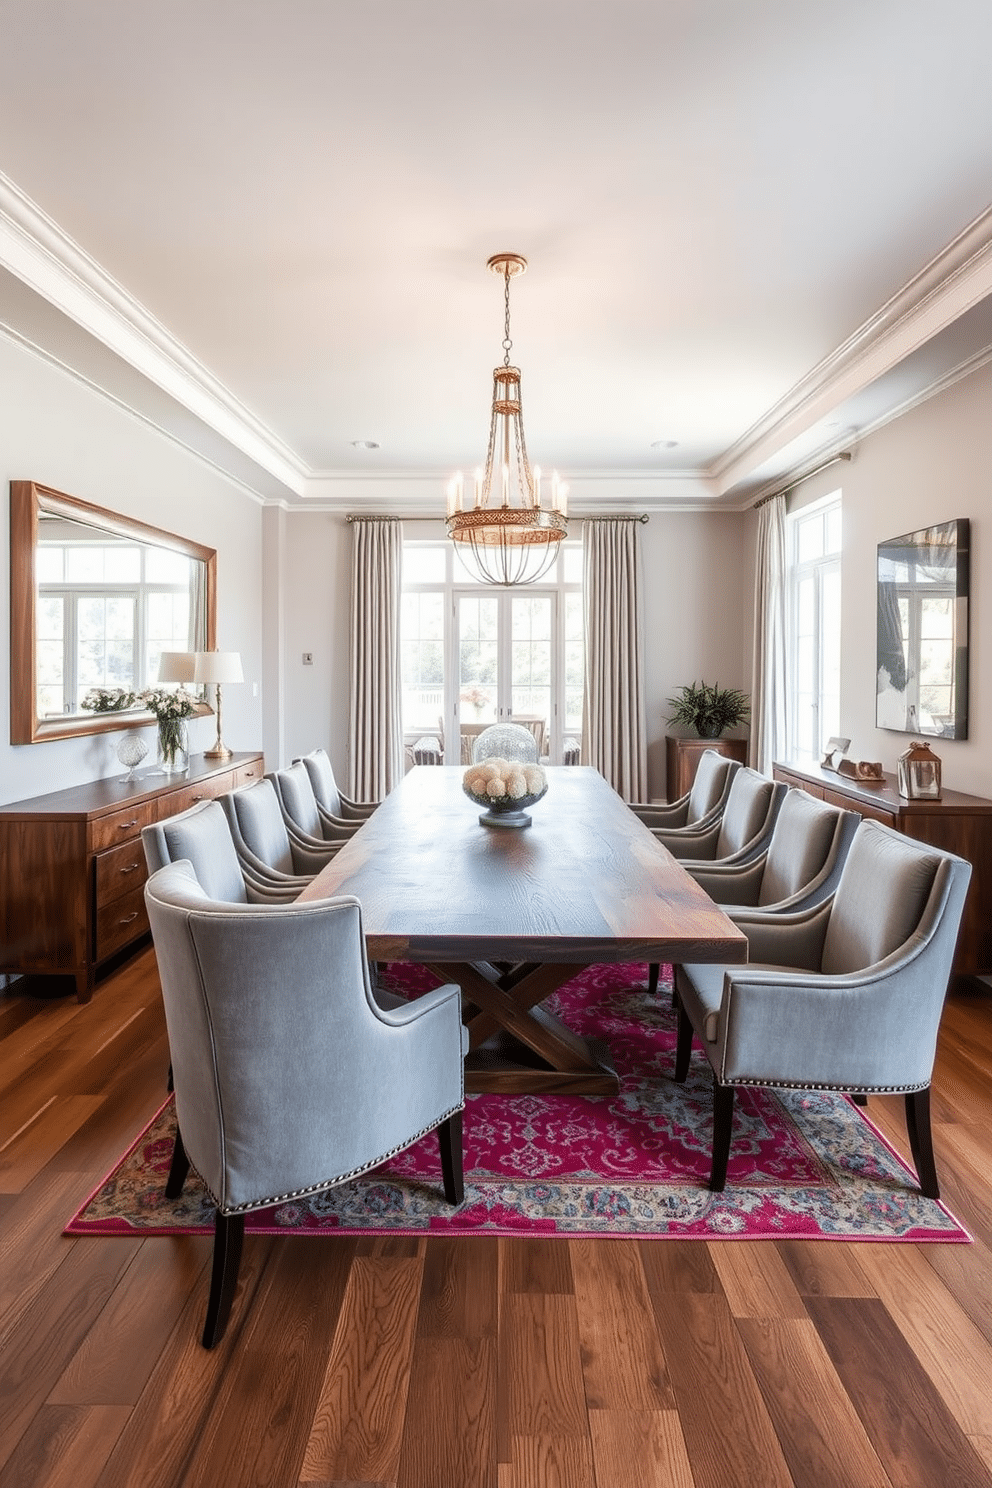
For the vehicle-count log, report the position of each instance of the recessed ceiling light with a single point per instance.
(664, 444)
(364, 444)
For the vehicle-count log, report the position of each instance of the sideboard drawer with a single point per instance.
(876, 813)
(119, 826)
(192, 795)
(120, 922)
(118, 870)
(245, 774)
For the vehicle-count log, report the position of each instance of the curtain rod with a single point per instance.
(784, 490)
(397, 517)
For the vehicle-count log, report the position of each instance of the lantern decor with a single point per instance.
(919, 773)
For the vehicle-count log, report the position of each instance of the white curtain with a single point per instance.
(376, 729)
(768, 685)
(613, 707)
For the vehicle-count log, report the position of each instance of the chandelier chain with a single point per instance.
(507, 343)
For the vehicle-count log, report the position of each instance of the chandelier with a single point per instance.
(510, 535)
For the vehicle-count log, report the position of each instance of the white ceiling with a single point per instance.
(754, 229)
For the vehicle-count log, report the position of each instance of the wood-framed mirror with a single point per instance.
(95, 598)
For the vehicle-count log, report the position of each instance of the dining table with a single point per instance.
(512, 914)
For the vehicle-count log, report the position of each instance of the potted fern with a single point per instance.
(709, 708)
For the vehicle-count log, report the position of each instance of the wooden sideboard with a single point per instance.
(682, 760)
(72, 867)
(960, 823)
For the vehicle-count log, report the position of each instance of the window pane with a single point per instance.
(423, 564)
(123, 565)
(810, 537)
(47, 565)
(832, 543)
(163, 567)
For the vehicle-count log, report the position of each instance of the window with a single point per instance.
(814, 626)
(473, 654)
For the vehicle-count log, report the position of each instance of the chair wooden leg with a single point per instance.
(921, 1141)
(723, 1122)
(229, 1232)
(653, 971)
(449, 1136)
(683, 1046)
(179, 1168)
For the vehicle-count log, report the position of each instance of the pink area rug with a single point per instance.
(803, 1164)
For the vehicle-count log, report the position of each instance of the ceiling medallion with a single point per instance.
(506, 532)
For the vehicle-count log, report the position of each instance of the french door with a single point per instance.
(506, 668)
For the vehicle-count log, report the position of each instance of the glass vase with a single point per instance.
(173, 746)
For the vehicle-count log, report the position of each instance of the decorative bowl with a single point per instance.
(505, 810)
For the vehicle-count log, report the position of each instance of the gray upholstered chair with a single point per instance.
(263, 843)
(509, 741)
(335, 807)
(846, 995)
(701, 805)
(202, 836)
(801, 865)
(740, 832)
(301, 812)
(292, 1073)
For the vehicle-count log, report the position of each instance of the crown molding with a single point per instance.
(37, 251)
(953, 282)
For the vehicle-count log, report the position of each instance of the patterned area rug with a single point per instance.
(803, 1164)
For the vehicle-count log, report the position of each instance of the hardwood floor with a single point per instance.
(469, 1363)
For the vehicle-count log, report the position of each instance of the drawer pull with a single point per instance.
(126, 826)
(131, 867)
(200, 797)
(128, 918)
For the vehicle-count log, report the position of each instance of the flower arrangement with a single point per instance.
(478, 698)
(171, 708)
(504, 781)
(109, 699)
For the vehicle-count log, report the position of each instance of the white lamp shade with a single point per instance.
(176, 666)
(214, 667)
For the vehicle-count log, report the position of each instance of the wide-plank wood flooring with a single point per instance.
(469, 1363)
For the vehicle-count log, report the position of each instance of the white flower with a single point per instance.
(516, 785)
(495, 788)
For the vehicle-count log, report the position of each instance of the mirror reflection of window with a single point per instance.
(106, 610)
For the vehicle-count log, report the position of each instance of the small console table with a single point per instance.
(960, 823)
(682, 760)
(72, 867)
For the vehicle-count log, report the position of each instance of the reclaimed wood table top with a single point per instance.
(587, 883)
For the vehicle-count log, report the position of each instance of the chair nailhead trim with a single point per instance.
(803, 1085)
(301, 1193)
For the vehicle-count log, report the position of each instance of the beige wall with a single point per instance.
(55, 430)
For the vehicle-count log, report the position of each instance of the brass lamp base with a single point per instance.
(219, 751)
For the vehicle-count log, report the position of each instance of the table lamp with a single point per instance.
(176, 666)
(215, 668)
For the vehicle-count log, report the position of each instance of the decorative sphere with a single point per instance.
(131, 750)
(508, 741)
